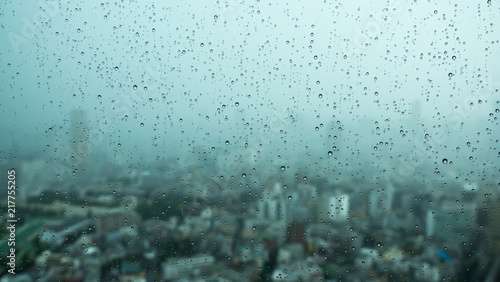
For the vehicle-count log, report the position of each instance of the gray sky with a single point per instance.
(244, 72)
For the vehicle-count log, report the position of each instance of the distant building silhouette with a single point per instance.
(79, 132)
(80, 135)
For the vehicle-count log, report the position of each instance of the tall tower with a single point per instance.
(79, 143)
(273, 205)
(493, 228)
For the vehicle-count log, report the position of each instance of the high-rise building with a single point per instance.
(338, 207)
(273, 205)
(493, 235)
(450, 222)
(380, 201)
(80, 137)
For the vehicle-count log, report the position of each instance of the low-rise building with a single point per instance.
(185, 267)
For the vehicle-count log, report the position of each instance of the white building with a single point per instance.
(273, 206)
(338, 208)
(196, 265)
(55, 236)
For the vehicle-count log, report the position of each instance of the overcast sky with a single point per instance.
(176, 78)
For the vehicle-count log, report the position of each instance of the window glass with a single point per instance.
(229, 140)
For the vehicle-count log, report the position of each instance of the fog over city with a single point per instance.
(263, 74)
(218, 99)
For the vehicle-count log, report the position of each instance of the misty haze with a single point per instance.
(250, 141)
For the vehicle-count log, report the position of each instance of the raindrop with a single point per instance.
(282, 167)
(99, 96)
(330, 153)
(227, 142)
(445, 161)
(142, 124)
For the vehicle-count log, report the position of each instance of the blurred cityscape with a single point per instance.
(156, 225)
(250, 141)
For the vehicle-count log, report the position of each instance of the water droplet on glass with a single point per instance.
(282, 167)
(445, 161)
(330, 153)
